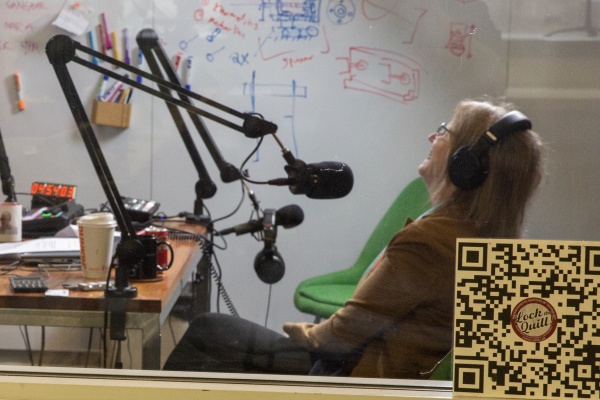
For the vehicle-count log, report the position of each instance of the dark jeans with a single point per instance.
(223, 343)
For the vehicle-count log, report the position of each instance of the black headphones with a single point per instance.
(468, 166)
(268, 263)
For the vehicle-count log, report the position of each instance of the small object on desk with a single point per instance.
(96, 235)
(28, 284)
(87, 286)
(11, 215)
(58, 292)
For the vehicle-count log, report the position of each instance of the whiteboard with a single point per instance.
(358, 81)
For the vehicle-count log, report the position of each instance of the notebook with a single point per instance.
(527, 319)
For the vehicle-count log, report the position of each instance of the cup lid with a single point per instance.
(99, 219)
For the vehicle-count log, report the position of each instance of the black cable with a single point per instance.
(26, 341)
(222, 292)
(129, 349)
(43, 345)
(28, 346)
(89, 349)
(110, 268)
(246, 160)
(236, 209)
(268, 304)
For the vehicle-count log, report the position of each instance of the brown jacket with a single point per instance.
(403, 310)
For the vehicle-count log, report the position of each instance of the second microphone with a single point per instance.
(288, 217)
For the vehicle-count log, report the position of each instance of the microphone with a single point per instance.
(324, 180)
(288, 217)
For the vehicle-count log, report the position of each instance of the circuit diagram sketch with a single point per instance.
(276, 92)
(385, 73)
(459, 41)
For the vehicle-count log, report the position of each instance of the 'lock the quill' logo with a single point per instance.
(534, 320)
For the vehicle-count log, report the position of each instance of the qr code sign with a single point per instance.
(527, 319)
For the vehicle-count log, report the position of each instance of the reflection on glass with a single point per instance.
(360, 81)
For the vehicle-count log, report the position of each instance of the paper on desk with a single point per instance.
(40, 245)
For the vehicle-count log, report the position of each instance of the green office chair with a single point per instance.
(443, 371)
(323, 295)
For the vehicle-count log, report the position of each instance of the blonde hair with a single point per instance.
(497, 207)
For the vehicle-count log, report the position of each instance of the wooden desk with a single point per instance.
(147, 311)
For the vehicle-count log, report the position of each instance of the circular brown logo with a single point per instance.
(534, 320)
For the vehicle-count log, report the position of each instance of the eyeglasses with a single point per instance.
(442, 130)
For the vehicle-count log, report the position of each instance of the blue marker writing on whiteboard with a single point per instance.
(188, 73)
(140, 61)
(102, 87)
(91, 37)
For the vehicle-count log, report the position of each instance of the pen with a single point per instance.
(102, 41)
(102, 87)
(19, 91)
(91, 37)
(108, 43)
(108, 96)
(114, 38)
(177, 62)
(126, 39)
(129, 96)
(188, 72)
(140, 61)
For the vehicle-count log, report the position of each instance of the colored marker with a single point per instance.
(19, 91)
(140, 62)
(129, 95)
(114, 89)
(102, 41)
(188, 72)
(108, 43)
(126, 39)
(102, 87)
(91, 37)
(114, 38)
(178, 62)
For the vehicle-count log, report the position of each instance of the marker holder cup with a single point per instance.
(112, 114)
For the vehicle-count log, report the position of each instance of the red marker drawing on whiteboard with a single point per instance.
(19, 91)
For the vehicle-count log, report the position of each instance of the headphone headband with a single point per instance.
(468, 166)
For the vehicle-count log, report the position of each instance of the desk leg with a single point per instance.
(150, 326)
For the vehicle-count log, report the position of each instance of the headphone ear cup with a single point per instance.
(465, 170)
(269, 266)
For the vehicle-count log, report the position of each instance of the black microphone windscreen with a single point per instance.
(333, 180)
(289, 216)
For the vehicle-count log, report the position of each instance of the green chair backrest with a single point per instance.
(411, 202)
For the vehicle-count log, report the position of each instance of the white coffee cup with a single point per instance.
(11, 216)
(96, 238)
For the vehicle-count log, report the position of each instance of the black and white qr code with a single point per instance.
(527, 318)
